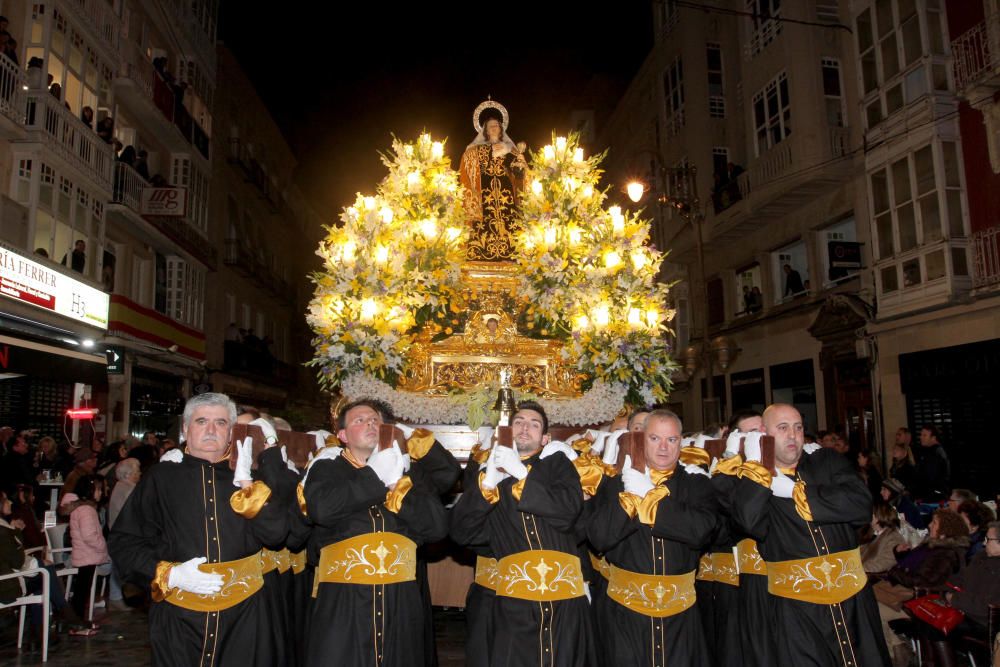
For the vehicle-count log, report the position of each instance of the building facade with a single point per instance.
(115, 273)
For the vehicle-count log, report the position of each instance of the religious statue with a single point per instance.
(492, 172)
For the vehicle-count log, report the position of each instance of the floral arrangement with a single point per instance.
(590, 276)
(600, 403)
(390, 268)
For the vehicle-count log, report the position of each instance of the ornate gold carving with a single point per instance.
(525, 575)
(490, 343)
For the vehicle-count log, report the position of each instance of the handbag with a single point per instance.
(933, 610)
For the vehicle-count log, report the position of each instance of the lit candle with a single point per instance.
(437, 149)
(550, 236)
(369, 203)
(634, 317)
(549, 152)
(560, 143)
(386, 214)
(581, 321)
(652, 317)
(429, 227)
(588, 191)
(368, 309)
(347, 250)
(453, 233)
(381, 254)
(536, 187)
(639, 259)
(578, 155)
(601, 315)
(413, 179)
(612, 259)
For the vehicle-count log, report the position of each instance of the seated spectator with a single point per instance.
(23, 509)
(928, 566)
(50, 458)
(977, 517)
(879, 555)
(86, 464)
(894, 493)
(17, 465)
(978, 585)
(869, 472)
(12, 559)
(959, 496)
(87, 535)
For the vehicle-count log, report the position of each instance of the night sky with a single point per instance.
(340, 79)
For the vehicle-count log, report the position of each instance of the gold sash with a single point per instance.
(750, 561)
(705, 568)
(373, 558)
(540, 575)
(486, 572)
(269, 560)
(240, 580)
(601, 565)
(821, 580)
(283, 559)
(724, 568)
(298, 562)
(652, 595)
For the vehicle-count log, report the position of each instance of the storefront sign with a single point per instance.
(164, 201)
(116, 359)
(30, 282)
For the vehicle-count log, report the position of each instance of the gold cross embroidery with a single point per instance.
(381, 552)
(826, 568)
(659, 592)
(543, 570)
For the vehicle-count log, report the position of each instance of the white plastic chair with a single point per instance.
(55, 538)
(41, 598)
(102, 572)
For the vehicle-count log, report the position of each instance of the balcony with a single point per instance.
(11, 99)
(986, 258)
(151, 100)
(977, 59)
(99, 16)
(239, 256)
(49, 121)
(240, 154)
(128, 201)
(788, 176)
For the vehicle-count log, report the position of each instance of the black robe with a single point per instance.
(843, 635)
(180, 511)
(685, 522)
(353, 624)
(527, 633)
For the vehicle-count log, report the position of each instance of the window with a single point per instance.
(185, 292)
(772, 114)
(748, 290)
(667, 15)
(673, 94)
(832, 93)
(899, 63)
(790, 268)
(925, 190)
(185, 174)
(716, 86)
(826, 11)
(765, 23)
(839, 252)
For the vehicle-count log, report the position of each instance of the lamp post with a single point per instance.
(689, 207)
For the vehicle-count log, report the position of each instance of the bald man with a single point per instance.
(803, 516)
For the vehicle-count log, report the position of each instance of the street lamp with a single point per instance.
(689, 207)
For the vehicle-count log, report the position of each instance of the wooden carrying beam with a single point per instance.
(632, 444)
(297, 445)
(389, 432)
(766, 451)
(715, 448)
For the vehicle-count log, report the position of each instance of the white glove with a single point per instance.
(733, 442)
(327, 453)
(751, 447)
(692, 469)
(557, 446)
(699, 441)
(509, 460)
(290, 464)
(636, 483)
(406, 463)
(687, 442)
(387, 464)
(782, 485)
(611, 447)
(244, 459)
(810, 447)
(493, 476)
(187, 577)
(174, 455)
(407, 430)
(600, 440)
(321, 437)
(485, 436)
(270, 435)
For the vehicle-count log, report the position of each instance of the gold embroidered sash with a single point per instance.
(821, 580)
(486, 572)
(601, 565)
(652, 595)
(373, 558)
(298, 562)
(540, 575)
(268, 560)
(240, 580)
(750, 561)
(283, 559)
(705, 568)
(724, 568)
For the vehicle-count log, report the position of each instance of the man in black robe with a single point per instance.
(803, 516)
(652, 526)
(525, 506)
(368, 520)
(196, 543)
